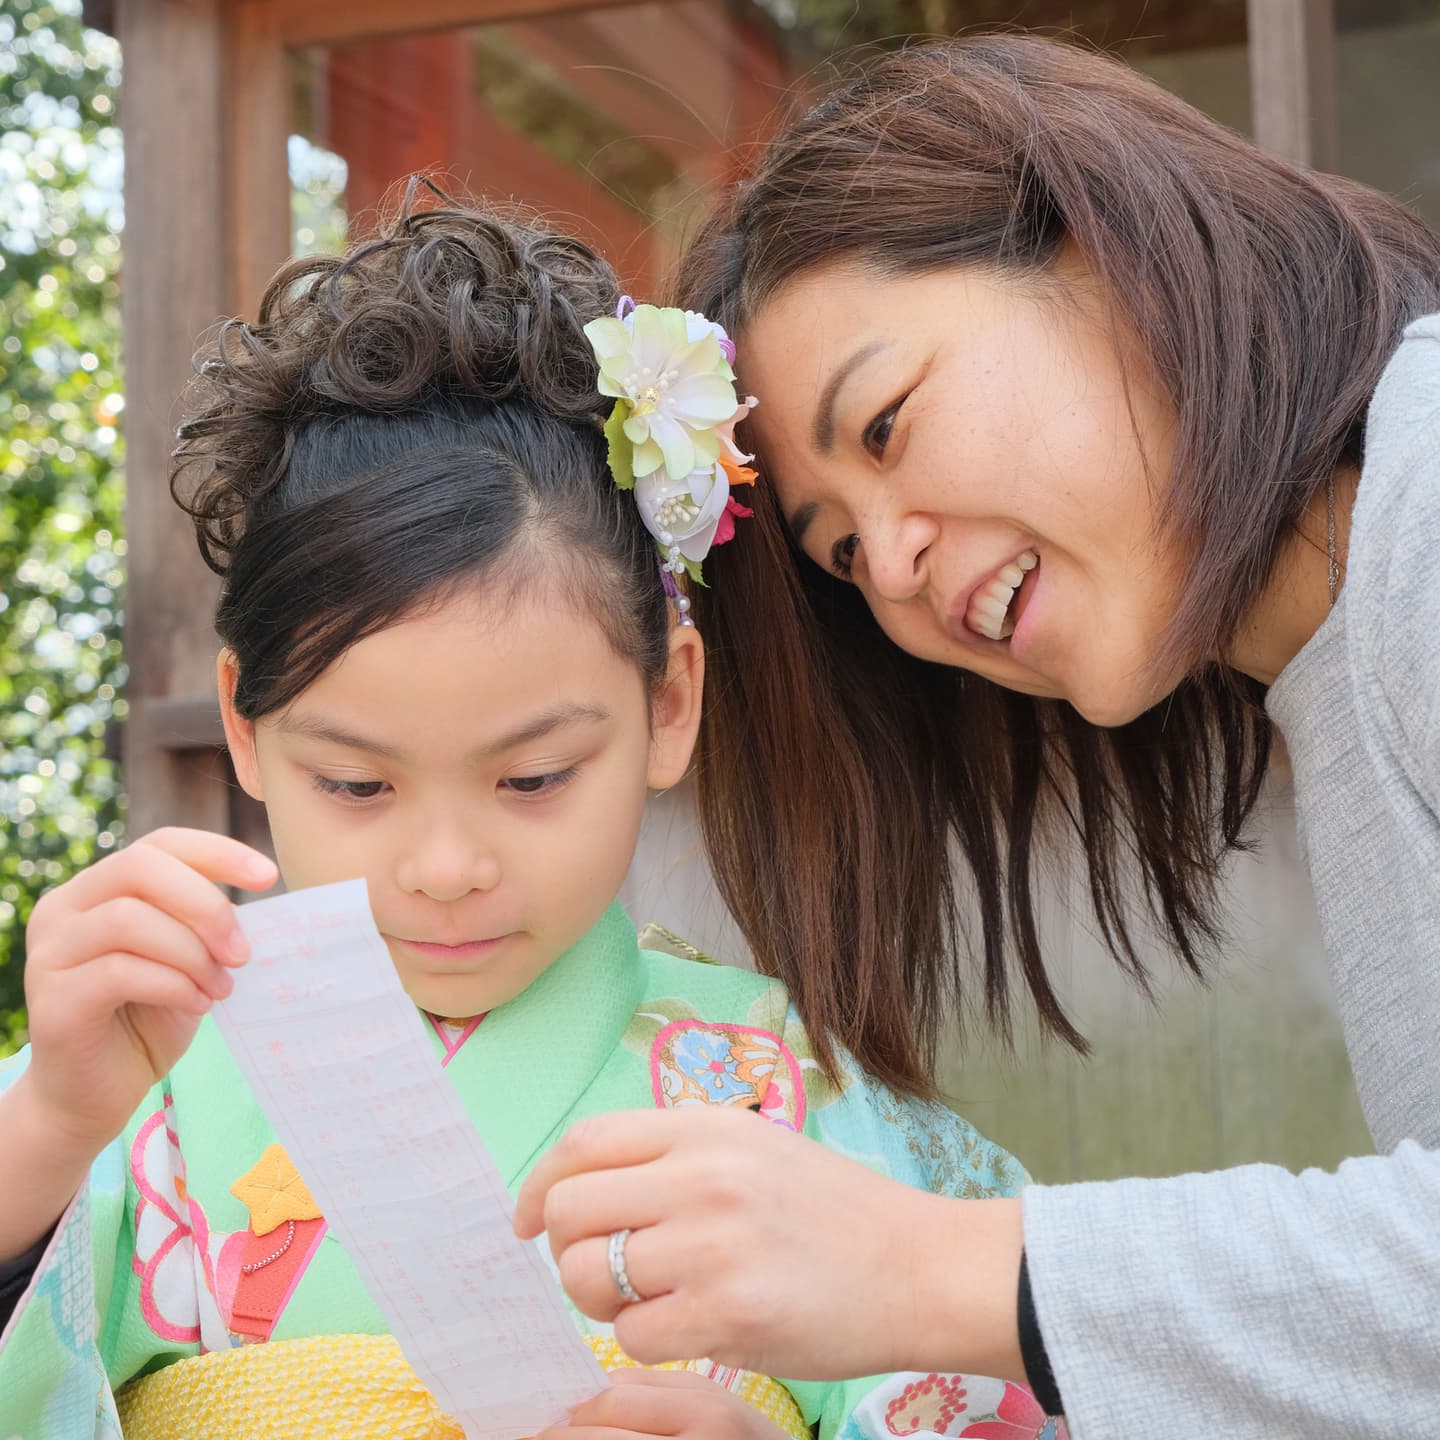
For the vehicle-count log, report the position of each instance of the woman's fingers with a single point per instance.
(747, 1241)
(625, 1141)
(585, 1273)
(601, 1142)
(582, 1207)
(669, 1327)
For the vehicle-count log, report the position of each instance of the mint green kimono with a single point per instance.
(171, 1250)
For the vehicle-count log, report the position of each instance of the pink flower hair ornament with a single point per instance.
(671, 432)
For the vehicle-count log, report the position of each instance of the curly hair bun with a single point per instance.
(449, 302)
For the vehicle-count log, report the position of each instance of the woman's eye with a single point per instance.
(842, 555)
(877, 432)
(354, 790)
(539, 784)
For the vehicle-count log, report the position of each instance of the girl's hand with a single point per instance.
(763, 1250)
(121, 963)
(664, 1402)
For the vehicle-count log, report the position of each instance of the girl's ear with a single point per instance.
(239, 732)
(675, 714)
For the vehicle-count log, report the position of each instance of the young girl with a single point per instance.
(449, 667)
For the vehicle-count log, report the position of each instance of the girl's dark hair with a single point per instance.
(408, 419)
(839, 775)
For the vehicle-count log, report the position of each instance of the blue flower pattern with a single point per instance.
(707, 1059)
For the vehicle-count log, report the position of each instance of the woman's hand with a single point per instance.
(122, 961)
(763, 1250)
(664, 1402)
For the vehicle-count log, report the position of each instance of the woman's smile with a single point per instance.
(993, 608)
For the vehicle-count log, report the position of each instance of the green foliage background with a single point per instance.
(61, 487)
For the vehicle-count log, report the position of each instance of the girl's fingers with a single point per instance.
(586, 1432)
(127, 924)
(216, 857)
(154, 874)
(643, 1410)
(120, 979)
(617, 1141)
(663, 1379)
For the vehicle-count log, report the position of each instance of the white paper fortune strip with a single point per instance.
(338, 1058)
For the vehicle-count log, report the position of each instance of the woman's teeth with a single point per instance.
(988, 613)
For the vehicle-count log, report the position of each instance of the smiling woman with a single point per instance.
(1101, 447)
(1006, 298)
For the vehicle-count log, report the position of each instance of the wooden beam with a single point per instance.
(257, 123)
(173, 722)
(170, 108)
(1292, 79)
(331, 22)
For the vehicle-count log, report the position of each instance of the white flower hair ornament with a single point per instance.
(672, 431)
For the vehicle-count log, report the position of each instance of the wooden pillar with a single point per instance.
(255, 121)
(173, 287)
(1292, 78)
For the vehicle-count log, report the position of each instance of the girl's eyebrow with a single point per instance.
(545, 722)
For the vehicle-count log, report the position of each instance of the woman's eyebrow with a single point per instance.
(802, 519)
(822, 431)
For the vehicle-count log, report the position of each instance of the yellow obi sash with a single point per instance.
(337, 1387)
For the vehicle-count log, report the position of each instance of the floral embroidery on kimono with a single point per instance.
(764, 1063)
(968, 1407)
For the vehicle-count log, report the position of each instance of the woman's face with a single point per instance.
(962, 446)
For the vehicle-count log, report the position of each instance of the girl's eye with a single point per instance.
(539, 784)
(877, 432)
(842, 555)
(352, 790)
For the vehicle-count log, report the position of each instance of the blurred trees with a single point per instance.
(61, 491)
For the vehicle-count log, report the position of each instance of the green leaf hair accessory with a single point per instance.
(671, 433)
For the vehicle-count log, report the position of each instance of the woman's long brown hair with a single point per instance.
(839, 777)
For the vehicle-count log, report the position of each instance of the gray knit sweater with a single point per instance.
(1253, 1302)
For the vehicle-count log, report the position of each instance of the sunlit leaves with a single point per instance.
(61, 553)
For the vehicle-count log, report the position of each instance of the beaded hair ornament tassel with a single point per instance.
(671, 432)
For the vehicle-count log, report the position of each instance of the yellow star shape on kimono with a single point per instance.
(273, 1192)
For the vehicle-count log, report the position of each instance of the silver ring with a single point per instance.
(617, 1267)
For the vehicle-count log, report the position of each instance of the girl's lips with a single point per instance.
(464, 950)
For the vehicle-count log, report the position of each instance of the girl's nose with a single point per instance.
(447, 865)
(895, 552)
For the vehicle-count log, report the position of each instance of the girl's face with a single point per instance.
(484, 769)
(962, 447)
